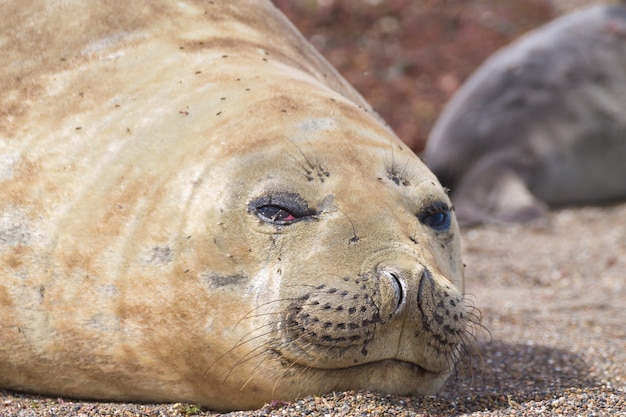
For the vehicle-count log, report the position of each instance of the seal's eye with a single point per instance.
(280, 208)
(275, 214)
(437, 217)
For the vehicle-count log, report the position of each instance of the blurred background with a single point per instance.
(407, 57)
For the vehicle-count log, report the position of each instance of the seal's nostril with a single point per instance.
(398, 287)
(392, 291)
(397, 284)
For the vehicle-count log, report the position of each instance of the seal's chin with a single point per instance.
(409, 366)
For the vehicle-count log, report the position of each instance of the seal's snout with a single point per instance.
(405, 284)
(413, 297)
(400, 311)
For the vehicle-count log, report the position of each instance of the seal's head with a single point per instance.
(351, 256)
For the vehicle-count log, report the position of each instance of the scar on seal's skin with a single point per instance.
(219, 281)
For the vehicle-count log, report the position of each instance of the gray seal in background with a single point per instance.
(541, 123)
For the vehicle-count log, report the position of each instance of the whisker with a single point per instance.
(237, 345)
(248, 314)
(255, 372)
(355, 237)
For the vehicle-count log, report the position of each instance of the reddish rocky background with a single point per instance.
(407, 57)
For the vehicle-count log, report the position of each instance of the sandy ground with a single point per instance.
(553, 297)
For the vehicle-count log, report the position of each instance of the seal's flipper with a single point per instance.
(496, 191)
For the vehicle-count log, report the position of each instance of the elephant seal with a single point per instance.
(541, 123)
(196, 207)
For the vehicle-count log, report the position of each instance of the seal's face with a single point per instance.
(353, 254)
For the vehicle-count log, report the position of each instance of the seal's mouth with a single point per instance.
(389, 376)
(384, 365)
(395, 363)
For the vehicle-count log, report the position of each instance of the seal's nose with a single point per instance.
(393, 283)
(433, 304)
